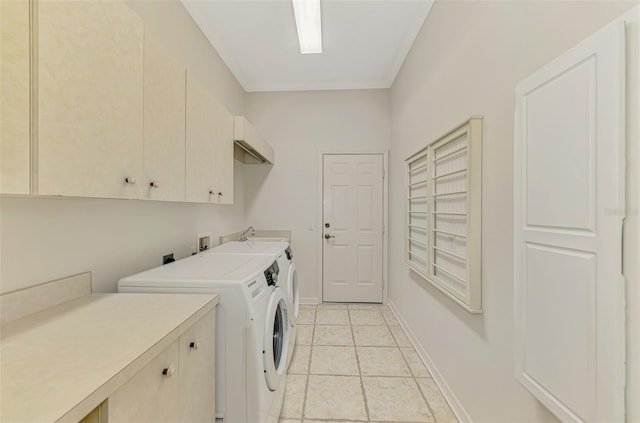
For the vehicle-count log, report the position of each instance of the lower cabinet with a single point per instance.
(152, 394)
(176, 386)
(197, 371)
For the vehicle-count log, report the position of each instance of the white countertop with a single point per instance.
(59, 364)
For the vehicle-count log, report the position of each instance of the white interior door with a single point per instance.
(568, 210)
(352, 227)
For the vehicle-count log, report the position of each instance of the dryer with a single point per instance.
(287, 277)
(252, 327)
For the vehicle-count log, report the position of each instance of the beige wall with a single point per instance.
(172, 25)
(44, 239)
(300, 125)
(466, 60)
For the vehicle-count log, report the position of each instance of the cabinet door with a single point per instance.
(223, 159)
(149, 396)
(197, 371)
(200, 143)
(14, 97)
(209, 147)
(90, 99)
(164, 124)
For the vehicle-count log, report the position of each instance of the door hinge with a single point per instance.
(383, 173)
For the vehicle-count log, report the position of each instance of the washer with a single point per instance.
(252, 328)
(288, 276)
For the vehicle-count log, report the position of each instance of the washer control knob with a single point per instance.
(195, 344)
(154, 184)
(130, 180)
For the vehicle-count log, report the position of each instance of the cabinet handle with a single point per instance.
(154, 184)
(195, 344)
(130, 180)
(168, 371)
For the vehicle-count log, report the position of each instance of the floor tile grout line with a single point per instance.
(397, 346)
(424, 397)
(364, 393)
(306, 385)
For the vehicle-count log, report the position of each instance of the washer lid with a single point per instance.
(203, 268)
(251, 247)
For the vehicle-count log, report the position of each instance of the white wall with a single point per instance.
(300, 125)
(467, 60)
(48, 238)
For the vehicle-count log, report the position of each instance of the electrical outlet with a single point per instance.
(168, 258)
(204, 241)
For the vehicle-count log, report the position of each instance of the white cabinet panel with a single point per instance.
(197, 371)
(223, 159)
(209, 147)
(200, 146)
(164, 124)
(14, 97)
(150, 396)
(89, 99)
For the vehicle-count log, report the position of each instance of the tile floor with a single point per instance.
(353, 362)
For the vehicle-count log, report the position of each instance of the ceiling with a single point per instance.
(364, 42)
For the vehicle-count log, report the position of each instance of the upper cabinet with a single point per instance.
(93, 106)
(209, 147)
(256, 149)
(164, 124)
(14, 97)
(89, 99)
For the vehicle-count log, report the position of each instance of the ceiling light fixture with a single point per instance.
(309, 25)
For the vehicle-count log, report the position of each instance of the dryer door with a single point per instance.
(292, 291)
(276, 339)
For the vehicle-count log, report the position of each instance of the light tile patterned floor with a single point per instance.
(353, 362)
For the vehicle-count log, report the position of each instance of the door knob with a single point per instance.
(327, 236)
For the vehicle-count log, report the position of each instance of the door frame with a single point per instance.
(385, 217)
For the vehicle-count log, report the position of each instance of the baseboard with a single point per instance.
(309, 300)
(447, 392)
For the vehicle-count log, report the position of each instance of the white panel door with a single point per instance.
(568, 205)
(352, 228)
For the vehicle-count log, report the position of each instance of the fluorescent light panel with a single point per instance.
(309, 25)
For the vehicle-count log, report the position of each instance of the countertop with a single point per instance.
(60, 363)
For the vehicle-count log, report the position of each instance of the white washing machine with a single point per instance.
(287, 278)
(252, 327)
